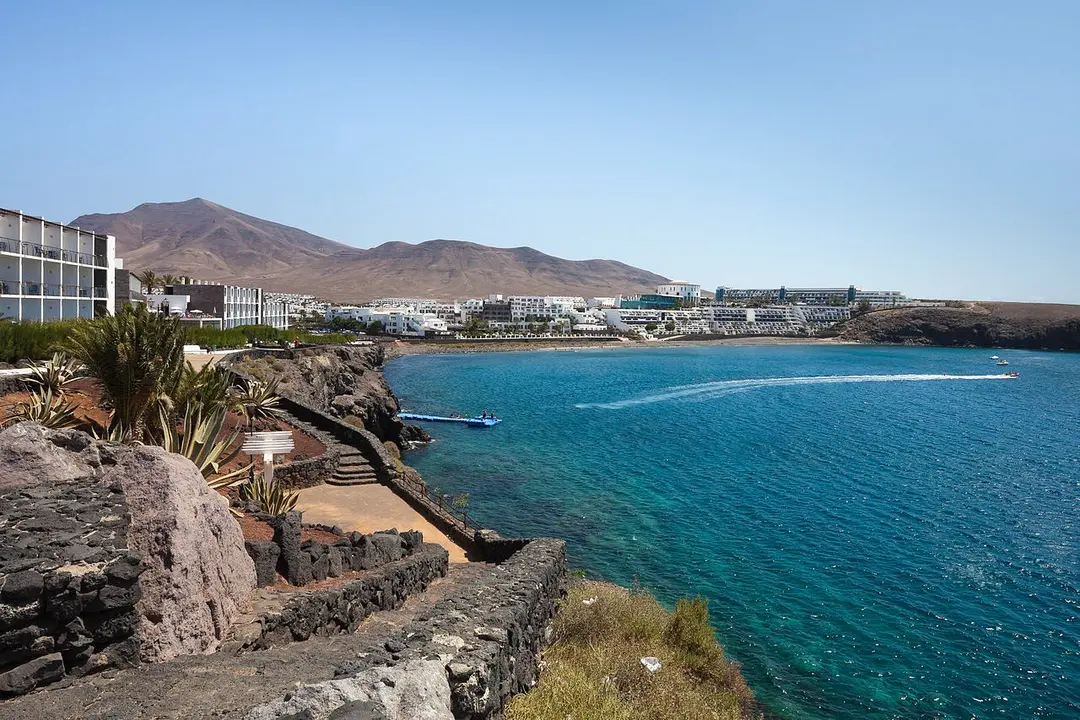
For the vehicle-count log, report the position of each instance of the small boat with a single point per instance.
(1002, 362)
(1012, 374)
(483, 421)
(993, 357)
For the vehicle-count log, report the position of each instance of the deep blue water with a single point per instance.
(884, 548)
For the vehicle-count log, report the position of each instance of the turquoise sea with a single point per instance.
(875, 541)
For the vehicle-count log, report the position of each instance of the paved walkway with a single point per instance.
(227, 686)
(368, 509)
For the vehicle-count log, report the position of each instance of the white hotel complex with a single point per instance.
(676, 308)
(49, 271)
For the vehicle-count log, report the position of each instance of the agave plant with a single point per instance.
(271, 498)
(137, 356)
(114, 431)
(55, 374)
(203, 442)
(52, 411)
(258, 400)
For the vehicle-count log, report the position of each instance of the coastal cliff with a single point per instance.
(1011, 325)
(344, 381)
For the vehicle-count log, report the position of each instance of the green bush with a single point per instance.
(33, 341)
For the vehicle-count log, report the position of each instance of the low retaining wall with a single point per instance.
(68, 584)
(285, 616)
(301, 474)
(302, 562)
(487, 638)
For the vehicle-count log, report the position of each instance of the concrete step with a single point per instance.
(353, 481)
(353, 475)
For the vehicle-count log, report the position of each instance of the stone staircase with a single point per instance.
(352, 469)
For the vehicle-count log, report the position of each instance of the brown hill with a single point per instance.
(1013, 325)
(211, 242)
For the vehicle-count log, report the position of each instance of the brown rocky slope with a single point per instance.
(345, 381)
(201, 239)
(1012, 325)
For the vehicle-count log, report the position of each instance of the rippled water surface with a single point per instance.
(876, 540)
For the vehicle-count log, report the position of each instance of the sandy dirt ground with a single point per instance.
(368, 509)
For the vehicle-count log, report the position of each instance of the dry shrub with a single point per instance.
(593, 667)
(395, 454)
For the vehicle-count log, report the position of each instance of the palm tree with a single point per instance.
(150, 281)
(137, 356)
(167, 280)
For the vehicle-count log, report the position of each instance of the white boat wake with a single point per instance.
(707, 391)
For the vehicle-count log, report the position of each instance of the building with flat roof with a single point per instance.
(50, 271)
(835, 296)
(236, 306)
(689, 293)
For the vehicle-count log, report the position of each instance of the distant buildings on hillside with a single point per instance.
(49, 271)
(674, 308)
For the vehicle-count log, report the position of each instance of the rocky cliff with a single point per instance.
(344, 381)
(1012, 325)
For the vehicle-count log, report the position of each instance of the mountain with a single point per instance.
(206, 240)
(1033, 326)
(212, 242)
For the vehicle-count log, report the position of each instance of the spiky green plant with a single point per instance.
(209, 386)
(259, 400)
(55, 374)
(137, 356)
(271, 498)
(114, 431)
(52, 411)
(202, 440)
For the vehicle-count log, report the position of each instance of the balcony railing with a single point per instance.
(30, 249)
(32, 288)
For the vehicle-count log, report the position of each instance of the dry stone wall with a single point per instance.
(68, 583)
(487, 638)
(283, 616)
(109, 555)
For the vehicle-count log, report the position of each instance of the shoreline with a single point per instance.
(400, 348)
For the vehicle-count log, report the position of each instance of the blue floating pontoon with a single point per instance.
(471, 422)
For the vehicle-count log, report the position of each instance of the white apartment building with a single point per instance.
(687, 322)
(780, 320)
(49, 271)
(403, 321)
(275, 313)
(689, 293)
(603, 302)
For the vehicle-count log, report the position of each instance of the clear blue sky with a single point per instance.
(931, 146)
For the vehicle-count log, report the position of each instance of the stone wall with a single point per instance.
(283, 616)
(68, 583)
(487, 638)
(301, 474)
(302, 562)
(109, 555)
